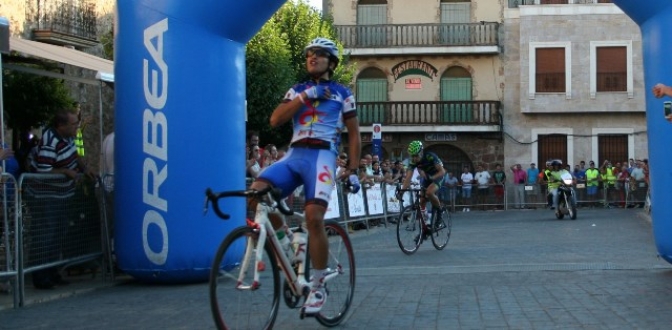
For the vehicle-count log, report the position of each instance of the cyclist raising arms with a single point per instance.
(431, 169)
(319, 109)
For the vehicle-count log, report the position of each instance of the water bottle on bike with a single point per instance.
(299, 246)
(285, 236)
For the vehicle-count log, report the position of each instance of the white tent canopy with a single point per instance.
(104, 68)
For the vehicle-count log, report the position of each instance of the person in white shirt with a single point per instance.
(483, 178)
(467, 179)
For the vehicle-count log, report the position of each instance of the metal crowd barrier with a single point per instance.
(618, 195)
(9, 238)
(520, 196)
(479, 197)
(372, 204)
(52, 222)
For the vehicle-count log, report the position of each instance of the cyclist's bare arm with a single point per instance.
(286, 110)
(407, 179)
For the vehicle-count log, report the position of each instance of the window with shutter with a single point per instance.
(550, 70)
(371, 87)
(456, 85)
(371, 24)
(612, 74)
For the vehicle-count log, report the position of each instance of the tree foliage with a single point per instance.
(269, 75)
(107, 40)
(289, 30)
(31, 100)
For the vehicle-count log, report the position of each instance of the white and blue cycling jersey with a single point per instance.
(311, 159)
(322, 119)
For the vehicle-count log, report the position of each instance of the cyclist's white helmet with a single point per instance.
(325, 44)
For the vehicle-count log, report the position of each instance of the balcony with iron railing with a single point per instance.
(516, 3)
(66, 22)
(396, 115)
(424, 38)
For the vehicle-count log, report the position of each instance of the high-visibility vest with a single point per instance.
(611, 178)
(554, 179)
(79, 143)
(591, 176)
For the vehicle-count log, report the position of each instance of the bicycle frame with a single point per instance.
(418, 193)
(263, 226)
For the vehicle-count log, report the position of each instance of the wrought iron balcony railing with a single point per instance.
(516, 3)
(413, 113)
(66, 22)
(418, 35)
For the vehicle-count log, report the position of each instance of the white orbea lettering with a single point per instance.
(155, 97)
(155, 218)
(150, 195)
(152, 125)
(155, 140)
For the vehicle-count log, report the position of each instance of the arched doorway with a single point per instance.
(454, 159)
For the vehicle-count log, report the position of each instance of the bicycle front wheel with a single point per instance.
(236, 299)
(442, 227)
(340, 283)
(409, 230)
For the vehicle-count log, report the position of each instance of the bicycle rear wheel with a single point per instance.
(442, 227)
(236, 300)
(409, 230)
(340, 288)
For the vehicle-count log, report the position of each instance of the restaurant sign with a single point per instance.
(414, 67)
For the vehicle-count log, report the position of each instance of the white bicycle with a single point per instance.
(245, 283)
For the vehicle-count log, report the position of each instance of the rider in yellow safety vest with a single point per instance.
(554, 180)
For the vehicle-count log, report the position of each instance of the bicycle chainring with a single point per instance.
(291, 300)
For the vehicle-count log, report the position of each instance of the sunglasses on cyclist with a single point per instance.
(319, 52)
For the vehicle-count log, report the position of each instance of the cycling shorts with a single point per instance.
(439, 182)
(312, 168)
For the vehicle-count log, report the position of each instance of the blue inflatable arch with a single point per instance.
(654, 18)
(180, 98)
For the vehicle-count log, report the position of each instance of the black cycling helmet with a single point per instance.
(556, 162)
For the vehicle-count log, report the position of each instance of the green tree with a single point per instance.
(272, 69)
(269, 75)
(107, 40)
(30, 102)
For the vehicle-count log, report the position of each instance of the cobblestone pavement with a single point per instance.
(501, 270)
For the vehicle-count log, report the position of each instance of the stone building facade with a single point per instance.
(511, 121)
(427, 70)
(583, 122)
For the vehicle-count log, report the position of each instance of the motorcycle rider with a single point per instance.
(554, 179)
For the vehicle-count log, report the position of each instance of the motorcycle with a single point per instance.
(566, 197)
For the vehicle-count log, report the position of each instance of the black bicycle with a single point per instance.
(413, 229)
